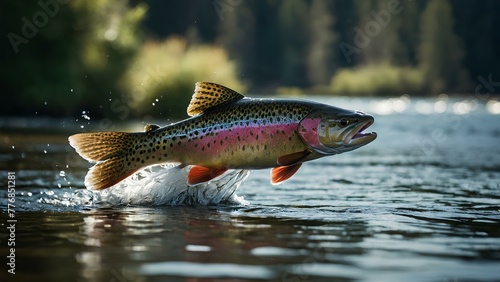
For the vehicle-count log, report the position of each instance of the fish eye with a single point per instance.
(343, 122)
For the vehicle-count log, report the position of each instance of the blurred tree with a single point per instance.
(237, 33)
(441, 51)
(409, 32)
(322, 45)
(477, 24)
(70, 56)
(294, 38)
(161, 81)
(378, 30)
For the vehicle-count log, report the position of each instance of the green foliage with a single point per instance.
(441, 50)
(377, 79)
(162, 80)
(92, 55)
(72, 61)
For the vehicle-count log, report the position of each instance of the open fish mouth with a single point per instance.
(357, 137)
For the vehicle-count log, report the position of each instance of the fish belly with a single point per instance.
(248, 147)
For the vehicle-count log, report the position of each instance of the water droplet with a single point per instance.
(13, 147)
(62, 173)
(59, 185)
(156, 99)
(82, 126)
(153, 104)
(45, 103)
(45, 151)
(71, 89)
(85, 116)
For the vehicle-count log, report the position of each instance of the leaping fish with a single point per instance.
(227, 131)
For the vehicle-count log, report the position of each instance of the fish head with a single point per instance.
(331, 130)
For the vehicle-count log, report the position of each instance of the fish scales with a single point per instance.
(250, 134)
(227, 131)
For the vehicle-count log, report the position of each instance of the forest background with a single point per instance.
(62, 57)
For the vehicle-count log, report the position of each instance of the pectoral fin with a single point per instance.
(293, 158)
(199, 174)
(282, 173)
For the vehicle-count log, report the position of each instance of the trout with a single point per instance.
(227, 131)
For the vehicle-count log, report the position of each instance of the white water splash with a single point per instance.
(167, 185)
(151, 186)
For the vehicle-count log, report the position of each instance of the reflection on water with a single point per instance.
(421, 203)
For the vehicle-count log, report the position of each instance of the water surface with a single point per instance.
(420, 203)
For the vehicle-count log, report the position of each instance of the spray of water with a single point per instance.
(167, 185)
(151, 186)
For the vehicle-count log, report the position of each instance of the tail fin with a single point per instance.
(109, 150)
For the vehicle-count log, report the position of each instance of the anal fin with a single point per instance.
(283, 173)
(199, 174)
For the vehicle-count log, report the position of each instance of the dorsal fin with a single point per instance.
(208, 95)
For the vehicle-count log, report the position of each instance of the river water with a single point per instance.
(420, 203)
